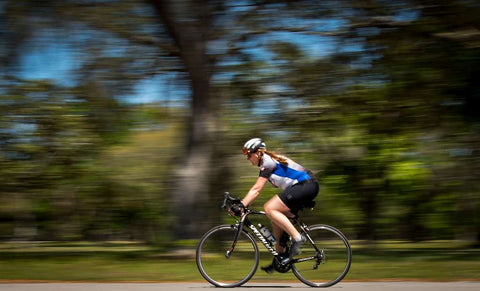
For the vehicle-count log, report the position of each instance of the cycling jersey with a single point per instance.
(280, 175)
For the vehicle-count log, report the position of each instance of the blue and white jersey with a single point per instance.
(281, 175)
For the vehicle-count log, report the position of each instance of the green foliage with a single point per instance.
(387, 119)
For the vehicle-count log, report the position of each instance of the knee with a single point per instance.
(271, 209)
(268, 207)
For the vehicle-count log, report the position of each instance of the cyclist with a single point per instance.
(299, 187)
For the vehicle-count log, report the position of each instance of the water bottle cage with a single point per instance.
(267, 234)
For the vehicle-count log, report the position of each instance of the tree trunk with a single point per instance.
(187, 22)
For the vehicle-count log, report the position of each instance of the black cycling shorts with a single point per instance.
(297, 195)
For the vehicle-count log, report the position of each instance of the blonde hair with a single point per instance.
(280, 159)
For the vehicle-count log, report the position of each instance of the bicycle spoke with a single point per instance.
(225, 270)
(328, 262)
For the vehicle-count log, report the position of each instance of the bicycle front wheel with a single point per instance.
(325, 259)
(222, 269)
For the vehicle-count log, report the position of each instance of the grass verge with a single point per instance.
(127, 261)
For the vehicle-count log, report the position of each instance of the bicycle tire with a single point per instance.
(329, 267)
(220, 270)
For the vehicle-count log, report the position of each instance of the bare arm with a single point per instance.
(254, 191)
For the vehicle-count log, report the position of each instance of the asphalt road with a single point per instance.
(347, 286)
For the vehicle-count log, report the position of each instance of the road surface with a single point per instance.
(347, 286)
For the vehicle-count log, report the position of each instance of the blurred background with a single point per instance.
(125, 120)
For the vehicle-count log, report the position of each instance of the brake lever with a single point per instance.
(224, 205)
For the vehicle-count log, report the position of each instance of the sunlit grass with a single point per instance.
(119, 261)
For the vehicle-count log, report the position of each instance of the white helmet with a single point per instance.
(252, 145)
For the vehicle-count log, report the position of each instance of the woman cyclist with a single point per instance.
(299, 187)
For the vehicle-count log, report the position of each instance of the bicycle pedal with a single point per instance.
(269, 269)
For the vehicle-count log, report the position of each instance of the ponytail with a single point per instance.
(280, 159)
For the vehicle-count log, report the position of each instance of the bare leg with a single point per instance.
(277, 212)
(277, 233)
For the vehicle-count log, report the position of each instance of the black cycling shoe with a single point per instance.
(269, 269)
(294, 250)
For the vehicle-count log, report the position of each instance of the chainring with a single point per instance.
(279, 267)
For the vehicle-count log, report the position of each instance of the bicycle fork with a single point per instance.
(239, 226)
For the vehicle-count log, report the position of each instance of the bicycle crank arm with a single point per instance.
(228, 253)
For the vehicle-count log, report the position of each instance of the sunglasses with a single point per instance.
(247, 152)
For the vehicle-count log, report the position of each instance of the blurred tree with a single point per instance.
(377, 97)
(52, 135)
(401, 100)
(46, 141)
(429, 57)
(396, 92)
(189, 23)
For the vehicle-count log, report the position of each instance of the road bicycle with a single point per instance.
(228, 255)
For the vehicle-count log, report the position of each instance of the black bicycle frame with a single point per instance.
(244, 221)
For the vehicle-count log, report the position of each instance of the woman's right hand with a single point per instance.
(237, 209)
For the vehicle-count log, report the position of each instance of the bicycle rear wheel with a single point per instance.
(222, 270)
(326, 264)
